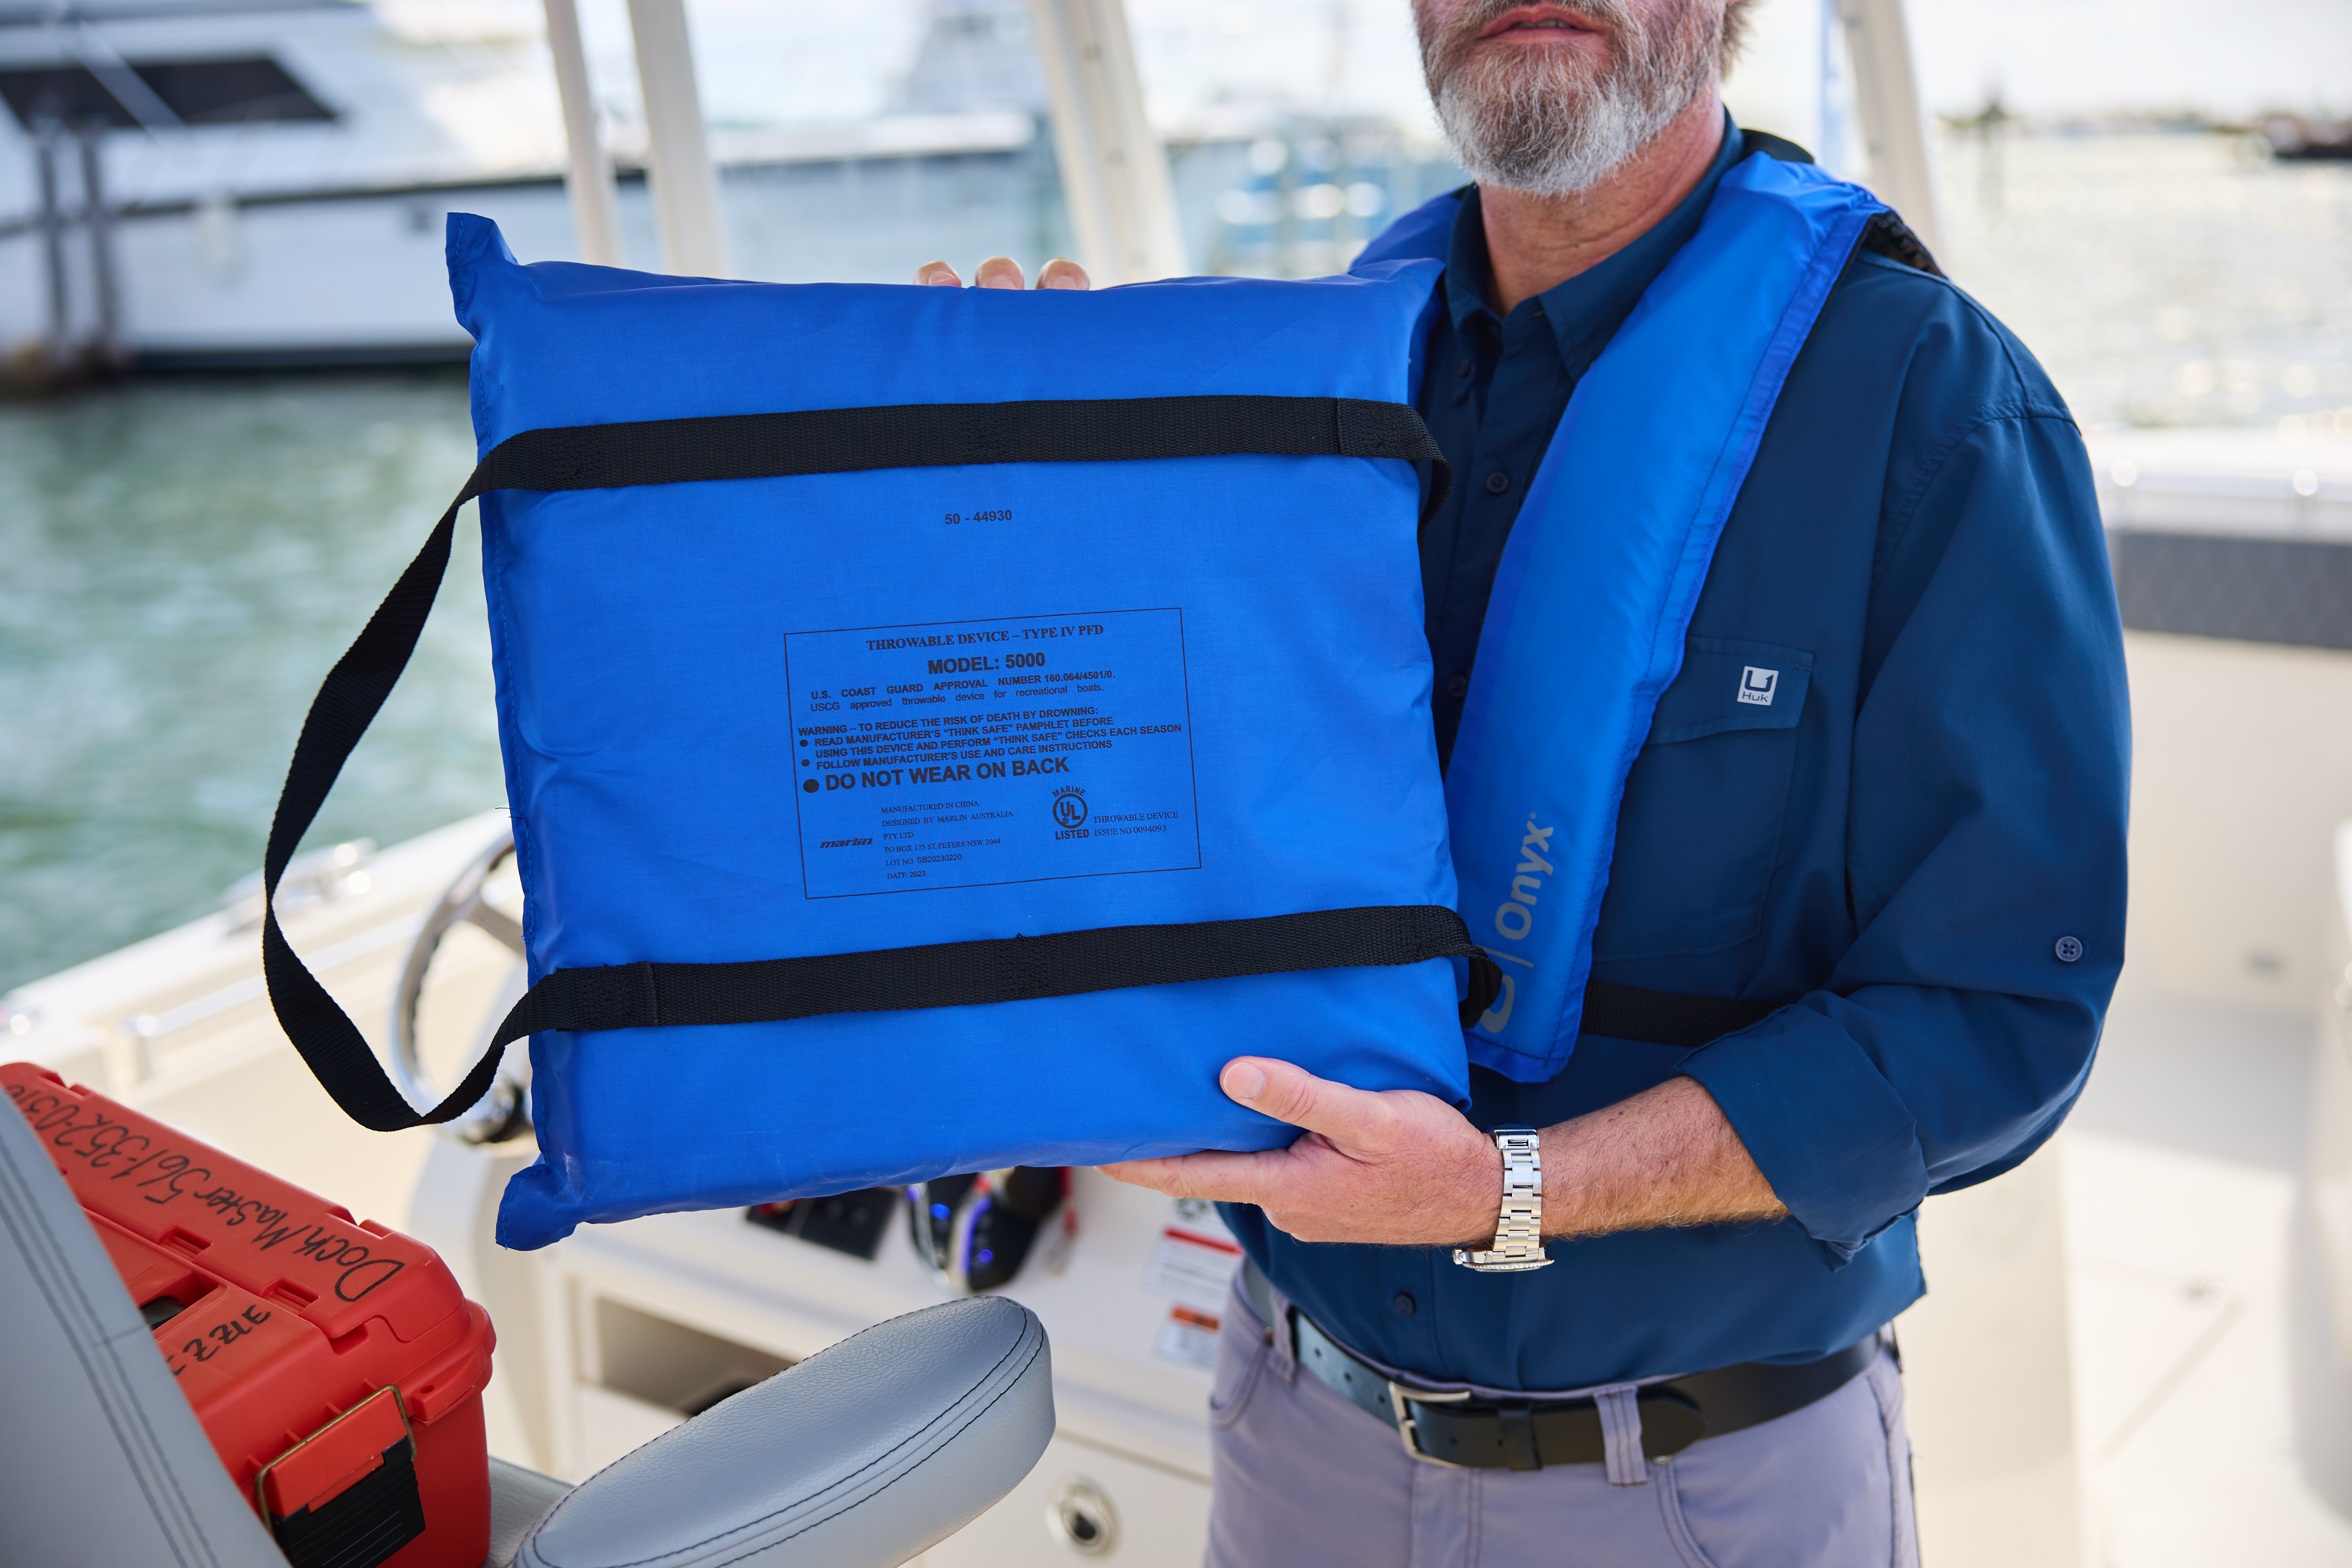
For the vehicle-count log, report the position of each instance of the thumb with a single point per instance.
(1350, 1118)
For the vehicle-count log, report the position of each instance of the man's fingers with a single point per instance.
(1003, 272)
(1351, 1119)
(1217, 1175)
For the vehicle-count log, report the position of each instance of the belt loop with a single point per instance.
(1273, 1309)
(1621, 1431)
(1285, 1340)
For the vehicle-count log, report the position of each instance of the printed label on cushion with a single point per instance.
(968, 753)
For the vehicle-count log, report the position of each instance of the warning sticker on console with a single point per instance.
(968, 752)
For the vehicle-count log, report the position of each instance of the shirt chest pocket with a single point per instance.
(1699, 831)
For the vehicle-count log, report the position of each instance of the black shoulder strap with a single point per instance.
(1772, 146)
(1888, 235)
(827, 441)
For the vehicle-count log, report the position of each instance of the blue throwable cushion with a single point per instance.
(950, 702)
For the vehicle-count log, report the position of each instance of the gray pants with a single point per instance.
(1304, 1478)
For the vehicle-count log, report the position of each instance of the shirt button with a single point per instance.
(1405, 1305)
(1457, 685)
(1497, 482)
(1465, 368)
(2069, 949)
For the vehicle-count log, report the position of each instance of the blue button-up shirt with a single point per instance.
(1920, 846)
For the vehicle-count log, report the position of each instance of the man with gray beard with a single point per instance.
(1857, 903)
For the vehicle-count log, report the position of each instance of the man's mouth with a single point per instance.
(1538, 23)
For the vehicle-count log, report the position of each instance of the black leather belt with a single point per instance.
(1460, 1429)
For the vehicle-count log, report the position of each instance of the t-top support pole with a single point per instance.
(98, 226)
(1886, 101)
(588, 171)
(685, 186)
(1114, 172)
(57, 353)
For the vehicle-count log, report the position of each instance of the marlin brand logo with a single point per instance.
(1517, 916)
(1515, 919)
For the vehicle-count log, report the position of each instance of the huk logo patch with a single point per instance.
(1757, 686)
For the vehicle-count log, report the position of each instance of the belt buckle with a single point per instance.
(1398, 1395)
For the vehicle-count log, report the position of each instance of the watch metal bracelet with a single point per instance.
(1518, 1234)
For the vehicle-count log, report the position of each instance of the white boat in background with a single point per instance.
(200, 183)
(211, 181)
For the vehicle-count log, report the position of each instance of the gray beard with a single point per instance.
(1546, 126)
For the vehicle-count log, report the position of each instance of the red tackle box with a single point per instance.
(334, 1363)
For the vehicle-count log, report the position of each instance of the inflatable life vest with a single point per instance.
(942, 726)
(1598, 582)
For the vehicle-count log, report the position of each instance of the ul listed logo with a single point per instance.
(1757, 686)
(1070, 806)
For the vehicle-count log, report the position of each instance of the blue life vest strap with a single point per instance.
(672, 451)
(1614, 539)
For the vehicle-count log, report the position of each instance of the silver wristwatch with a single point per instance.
(1519, 1234)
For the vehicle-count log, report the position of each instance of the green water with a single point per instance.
(180, 563)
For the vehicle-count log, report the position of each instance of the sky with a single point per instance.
(771, 61)
(2233, 57)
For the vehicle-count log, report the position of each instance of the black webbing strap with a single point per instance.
(941, 435)
(733, 446)
(1007, 969)
(1887, 235)
(1666, 1017)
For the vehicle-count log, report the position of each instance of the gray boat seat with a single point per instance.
(860, 1456)
(518, 1498)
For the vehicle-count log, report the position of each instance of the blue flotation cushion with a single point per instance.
(830, 713)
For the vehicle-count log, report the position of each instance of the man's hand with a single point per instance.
(1401, 1169)
(1003, 272)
